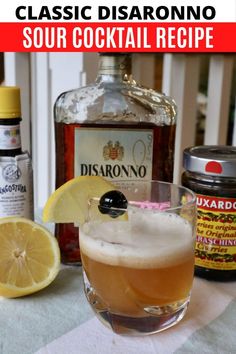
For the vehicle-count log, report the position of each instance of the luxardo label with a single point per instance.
(216, 233)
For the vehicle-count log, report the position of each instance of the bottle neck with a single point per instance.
(114, 68)
(10, 138)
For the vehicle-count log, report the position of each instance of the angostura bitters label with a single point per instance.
(216, 233)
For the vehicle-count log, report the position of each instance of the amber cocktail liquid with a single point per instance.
(138, 270)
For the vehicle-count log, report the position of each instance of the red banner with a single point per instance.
(118, 36)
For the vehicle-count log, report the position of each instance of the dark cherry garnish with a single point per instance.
(113, 203)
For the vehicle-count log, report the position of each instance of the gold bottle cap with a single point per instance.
(10, 106)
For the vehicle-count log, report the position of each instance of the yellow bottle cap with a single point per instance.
(10, 106)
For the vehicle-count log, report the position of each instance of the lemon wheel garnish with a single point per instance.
(29, 257)
(69, 203)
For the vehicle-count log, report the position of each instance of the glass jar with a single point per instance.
(210, 171)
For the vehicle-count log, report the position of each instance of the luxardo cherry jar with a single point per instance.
(210, 172)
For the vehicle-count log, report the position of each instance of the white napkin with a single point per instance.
(209, 300)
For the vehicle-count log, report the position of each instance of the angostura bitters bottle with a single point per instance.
(16, 175)
(113, 128)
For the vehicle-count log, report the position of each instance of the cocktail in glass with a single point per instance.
(138, 258)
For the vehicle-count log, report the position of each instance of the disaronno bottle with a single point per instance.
(113, 128)
(16, 192)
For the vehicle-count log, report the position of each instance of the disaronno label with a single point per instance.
(216, 233)
(119, 154)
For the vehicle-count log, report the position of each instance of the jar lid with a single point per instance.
(214, 160)
(10, 106)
